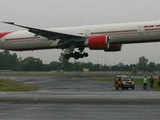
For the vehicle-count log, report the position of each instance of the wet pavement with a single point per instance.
(64, 86)
(11, 111)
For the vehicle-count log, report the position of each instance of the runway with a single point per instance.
(70, 98)
(12, 111)
(112, 97)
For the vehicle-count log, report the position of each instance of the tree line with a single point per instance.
(12, 62)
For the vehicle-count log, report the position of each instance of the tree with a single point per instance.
(31, 64)
(142, 63)
(54, 66)
(151, 67)
(8, 61)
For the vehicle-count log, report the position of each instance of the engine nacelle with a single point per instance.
(102, 42)
(114, 47)
(98, 42)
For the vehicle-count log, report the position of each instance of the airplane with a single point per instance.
(74, 40)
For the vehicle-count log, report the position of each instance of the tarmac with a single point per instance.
(64, 89)
(112, 97)
(77, 98)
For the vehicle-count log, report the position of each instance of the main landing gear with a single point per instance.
(73, 53)
(76, 55)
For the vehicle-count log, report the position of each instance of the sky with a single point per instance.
(63, 13)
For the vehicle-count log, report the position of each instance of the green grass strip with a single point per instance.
(14, 86)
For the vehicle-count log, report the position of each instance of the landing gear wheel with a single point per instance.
(73, 53)
(76, 55)
(85, 54)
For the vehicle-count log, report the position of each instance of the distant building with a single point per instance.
(85, 69)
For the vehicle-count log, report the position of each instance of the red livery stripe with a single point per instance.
(157, 25)
(4, 34)
(149, 26)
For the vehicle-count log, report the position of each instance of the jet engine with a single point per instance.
(114, 47)
(98, 42)
(102, 42)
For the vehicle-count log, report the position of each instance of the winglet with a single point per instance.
(11, 23)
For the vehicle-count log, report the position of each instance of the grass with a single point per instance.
(138, 81)
(14, 86)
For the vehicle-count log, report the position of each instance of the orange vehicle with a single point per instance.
(123, 82)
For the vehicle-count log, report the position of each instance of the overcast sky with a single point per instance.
(60, 13)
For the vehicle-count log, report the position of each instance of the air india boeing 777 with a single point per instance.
(73, 40)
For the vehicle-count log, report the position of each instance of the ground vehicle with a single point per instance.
(124, 82)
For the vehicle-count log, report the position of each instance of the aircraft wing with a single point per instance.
(50, 34)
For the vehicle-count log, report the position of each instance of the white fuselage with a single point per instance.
(123, 33)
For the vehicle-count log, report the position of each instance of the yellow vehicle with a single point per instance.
(123, 82)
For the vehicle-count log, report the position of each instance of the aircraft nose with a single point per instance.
(2, 39)
(3, 34)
